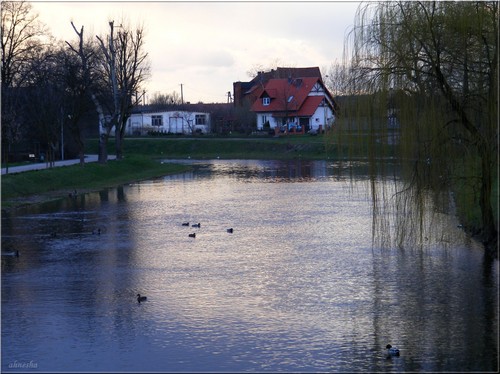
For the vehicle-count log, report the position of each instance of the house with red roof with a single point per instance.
(291, 100)
(295, 105)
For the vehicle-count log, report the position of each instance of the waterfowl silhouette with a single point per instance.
(392, 351)
(230, 230)
(193, 235)
(185, 224)
(196, 225)
(11, 253)
(141, 298)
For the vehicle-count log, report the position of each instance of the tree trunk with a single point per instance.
(103, 136)
(6, 158)
(81, 155)
(118, 145)
(103, 149)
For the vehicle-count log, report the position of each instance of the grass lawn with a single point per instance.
(40, 185)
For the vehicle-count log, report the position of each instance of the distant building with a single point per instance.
(290, 100)
(184, 119)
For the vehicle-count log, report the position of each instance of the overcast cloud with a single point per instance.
(206, 46)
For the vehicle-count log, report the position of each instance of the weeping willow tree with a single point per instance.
(423, 77)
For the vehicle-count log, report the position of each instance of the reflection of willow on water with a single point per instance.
(407, 213)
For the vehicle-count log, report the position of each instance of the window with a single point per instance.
(157, 120)
(317, 88)
(200, 119)
(266, 101)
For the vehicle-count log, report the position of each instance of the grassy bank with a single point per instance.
(307, 147)
(36, 186)
(332, 146)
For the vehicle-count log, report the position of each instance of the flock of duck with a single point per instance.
(140, 298)
(198, 225)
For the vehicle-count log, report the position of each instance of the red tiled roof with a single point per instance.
(310, 105)
(288, 95)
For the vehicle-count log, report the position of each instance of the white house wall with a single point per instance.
(322, 116)
(172, 122)
(262, 118)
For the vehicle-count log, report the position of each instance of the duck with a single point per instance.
(185, 224)
(196, 225)
(230, 230)
(11, 253)
(193, 235)
(141, 298)
(392, 351)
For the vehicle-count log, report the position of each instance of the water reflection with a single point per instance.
(298, 286)
(275, 171)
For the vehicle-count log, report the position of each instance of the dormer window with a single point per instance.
(266, 100)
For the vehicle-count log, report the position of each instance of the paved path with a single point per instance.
(44, 165)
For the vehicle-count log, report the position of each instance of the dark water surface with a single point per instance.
(298, 285)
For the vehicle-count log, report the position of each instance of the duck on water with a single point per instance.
(392, 351)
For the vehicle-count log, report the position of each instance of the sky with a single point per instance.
(206, 46)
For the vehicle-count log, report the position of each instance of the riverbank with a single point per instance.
(142, 157)
(32, 187)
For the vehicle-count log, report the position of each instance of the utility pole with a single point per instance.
(182, 96)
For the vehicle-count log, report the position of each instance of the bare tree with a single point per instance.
(20, 32)
(337, 79)
(43, 100)
(273, 64)
(126, 68)
(166, 99)
(77, 99)
(89, 79)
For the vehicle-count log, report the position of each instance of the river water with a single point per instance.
(298, 286)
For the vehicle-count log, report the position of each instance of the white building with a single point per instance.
(144, 121)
